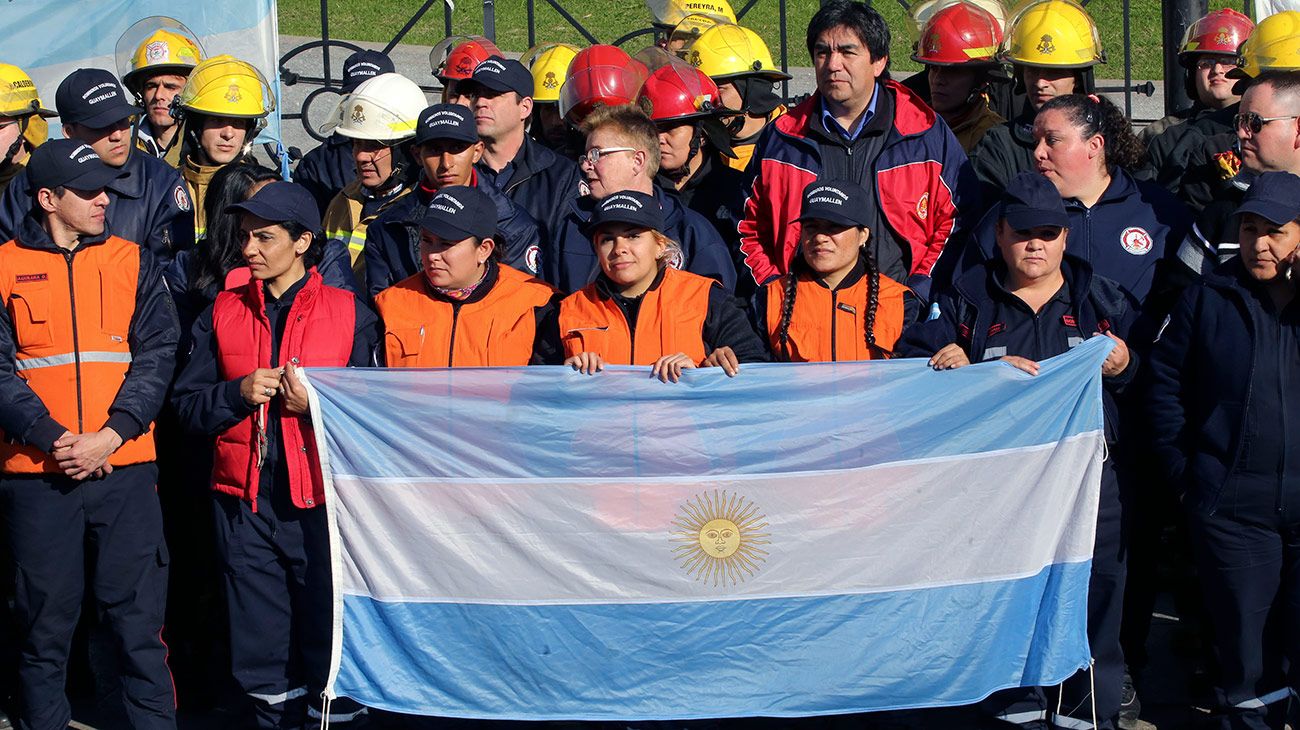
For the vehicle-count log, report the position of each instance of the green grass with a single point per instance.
(379, 20)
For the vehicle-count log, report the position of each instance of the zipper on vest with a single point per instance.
(451, 350)
(834, 322)
(76, 345)
(631, 334)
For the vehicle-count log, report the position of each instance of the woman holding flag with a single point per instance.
(242, 387)
(834, 305)
(1030, 303)
(641, 310)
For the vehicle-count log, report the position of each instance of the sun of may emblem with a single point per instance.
(717, 537)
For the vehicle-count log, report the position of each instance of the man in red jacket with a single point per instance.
(859, 126)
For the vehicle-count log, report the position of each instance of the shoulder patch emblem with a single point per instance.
(181, 198)
(1136, 241)
(678, 260)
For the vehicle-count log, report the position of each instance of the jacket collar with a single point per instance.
(131, 185)
(855, 274)
(605, 287)
(255, 292)
(1231, 276)
(981, 283)
(533, 157)
(490, 278)
(31, 234)
(911, 115)
(1122, 185)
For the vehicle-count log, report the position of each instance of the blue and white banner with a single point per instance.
(50, 39)
(532, 543)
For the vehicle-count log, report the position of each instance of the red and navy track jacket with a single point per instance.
(922, 179)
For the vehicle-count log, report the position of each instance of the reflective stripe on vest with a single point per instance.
(670, 320)
(498, 330)
(70, 358)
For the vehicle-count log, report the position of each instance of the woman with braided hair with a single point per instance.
(834, 305)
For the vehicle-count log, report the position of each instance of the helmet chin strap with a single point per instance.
(684, 171)
(18, 141)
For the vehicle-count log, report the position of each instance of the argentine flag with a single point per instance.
(532, 543)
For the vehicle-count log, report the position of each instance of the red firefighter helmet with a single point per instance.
(959, 34)
(677, 92)
(599, 75)
(465, 54)
(1222, 31)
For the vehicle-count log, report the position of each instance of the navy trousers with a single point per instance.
(277, 588)
(1105, 614)
(1250, 573)
(56, 529)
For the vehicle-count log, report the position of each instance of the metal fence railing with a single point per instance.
(328, 46)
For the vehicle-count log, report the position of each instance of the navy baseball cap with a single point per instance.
(458, 212)
(838, 201)
(446, 121)
(280, 202)
(504, 74)
(627, 206)
(1274, 196)
(70, 163)
(93, 97)
(1031, 200)
(364, 65)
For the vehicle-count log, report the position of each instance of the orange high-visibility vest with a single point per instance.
(830, 326)
(71, 314)
(424, 331)
(670, 320)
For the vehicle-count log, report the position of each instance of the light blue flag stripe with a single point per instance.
(780, 658)
(535, 422)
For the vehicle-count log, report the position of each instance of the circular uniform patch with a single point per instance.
(677, 261)
(1136, 241)
(531, 257)
(182, 198)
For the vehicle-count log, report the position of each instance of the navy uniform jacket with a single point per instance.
(1205, 379)
(717, 192)
(1196, 159)
(1123, 237)
(988, 322)
(570, 263)
(539, 181)
(327, 169)
(393, 239)
(149, 206)
(1005, 151)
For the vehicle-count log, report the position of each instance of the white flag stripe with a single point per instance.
(827, 534)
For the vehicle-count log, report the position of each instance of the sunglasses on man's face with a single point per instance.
(1254, 123)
